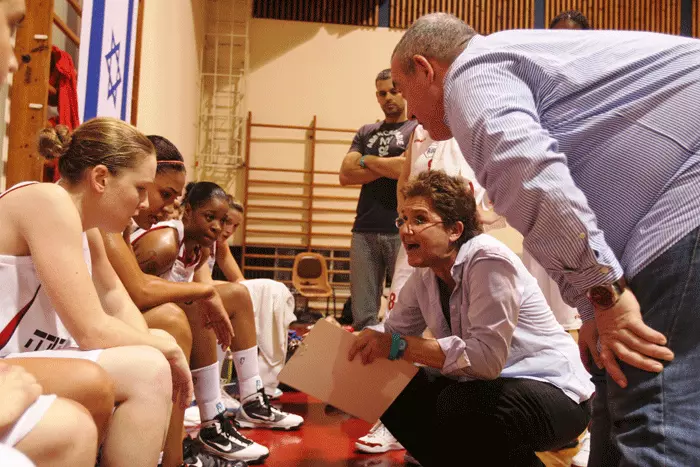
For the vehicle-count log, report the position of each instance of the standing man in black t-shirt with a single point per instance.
(374, 161)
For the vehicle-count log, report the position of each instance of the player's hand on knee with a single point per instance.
(18, 390)
(215, 317)
(182, 379)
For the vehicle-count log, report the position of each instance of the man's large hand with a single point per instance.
(588, 345)
(215, 317)
(623, 335)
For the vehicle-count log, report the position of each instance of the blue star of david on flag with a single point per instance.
(114, 71)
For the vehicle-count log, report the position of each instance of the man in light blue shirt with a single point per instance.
(588, 142)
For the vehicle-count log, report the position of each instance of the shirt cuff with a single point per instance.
(456, 360)
(585, 309)
(606, 271)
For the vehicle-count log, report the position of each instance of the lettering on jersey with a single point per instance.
(42, 337)
(12, 326)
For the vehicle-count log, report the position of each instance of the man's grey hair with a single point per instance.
(440, 36)
(383, 75)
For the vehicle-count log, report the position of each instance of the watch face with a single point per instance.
(602, 297)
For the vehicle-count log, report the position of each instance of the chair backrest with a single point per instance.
(310, 269)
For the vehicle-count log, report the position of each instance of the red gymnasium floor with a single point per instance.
(327, 439)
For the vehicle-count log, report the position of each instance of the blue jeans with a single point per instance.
(372, 257)
(656, 420)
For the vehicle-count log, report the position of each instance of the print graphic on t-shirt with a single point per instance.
(43, 337)
(385, 139)
(430, 153)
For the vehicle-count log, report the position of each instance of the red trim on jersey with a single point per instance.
(11, 327)
(17, 187)
(133, 242)
(197, 256)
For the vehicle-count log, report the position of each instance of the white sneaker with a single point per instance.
(378, 440)
(584, 450)
(257, 412)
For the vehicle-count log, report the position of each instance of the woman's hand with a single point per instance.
(179, 367)
(215, 317)
(371, 345)
(18, 390)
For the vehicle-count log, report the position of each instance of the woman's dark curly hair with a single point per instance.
(451, 198)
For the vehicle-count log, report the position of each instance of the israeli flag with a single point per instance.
(106, 71)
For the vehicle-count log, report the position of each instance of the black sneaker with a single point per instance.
(257, 412)
(221, 438)
(194, 457)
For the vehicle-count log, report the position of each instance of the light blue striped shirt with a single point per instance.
(587, 141)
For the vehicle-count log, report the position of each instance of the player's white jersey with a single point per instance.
(28, 320)
(181, 270)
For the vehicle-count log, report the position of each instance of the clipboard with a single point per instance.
(320, 368)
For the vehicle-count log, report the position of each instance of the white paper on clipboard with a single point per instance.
(320, 368)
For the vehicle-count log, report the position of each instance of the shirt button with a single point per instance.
(604, 270)
(582, 235)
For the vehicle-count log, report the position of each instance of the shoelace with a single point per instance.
(265, 402)
(228, 427)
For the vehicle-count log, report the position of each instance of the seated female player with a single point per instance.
(507, 379)
(273, 304)
(155, 297)
(52, 431)
(178, 251)
(61, 298)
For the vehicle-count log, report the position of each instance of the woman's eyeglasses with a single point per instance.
(414, 223)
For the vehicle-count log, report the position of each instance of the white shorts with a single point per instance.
(69, 352)
(27, 422)
(13, 458)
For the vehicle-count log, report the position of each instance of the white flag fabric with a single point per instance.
(106, 72)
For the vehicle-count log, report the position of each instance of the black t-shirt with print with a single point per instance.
(376, 208)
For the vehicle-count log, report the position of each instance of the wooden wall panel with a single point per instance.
(356, 12)
(486, 16)
(696, 18)
(640, 15)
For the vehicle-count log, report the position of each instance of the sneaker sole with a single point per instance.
(378, 449)
(251, 425)
(251, 461)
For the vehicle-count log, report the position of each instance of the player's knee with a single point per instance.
(151, 372)
(74, 436)
(93, 381)
(174, 321)
(235, 296)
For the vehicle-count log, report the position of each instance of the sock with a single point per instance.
(246, 362)
(207, 391)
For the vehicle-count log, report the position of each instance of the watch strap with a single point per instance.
(395, 343)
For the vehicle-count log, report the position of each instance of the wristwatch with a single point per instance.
(398, 347)
(606, 296)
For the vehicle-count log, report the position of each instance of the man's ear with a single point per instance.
(456, 231)
(424, 67)
(98, 177)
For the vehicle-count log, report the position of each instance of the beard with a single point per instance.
(392, 111)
